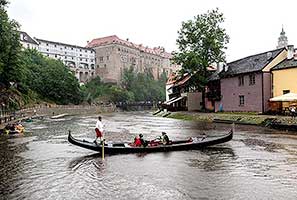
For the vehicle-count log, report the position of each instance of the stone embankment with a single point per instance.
(271, 121)
(50, 110)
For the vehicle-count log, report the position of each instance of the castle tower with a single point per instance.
(282, 40)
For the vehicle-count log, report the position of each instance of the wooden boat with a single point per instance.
(59, 116)
(153, 146)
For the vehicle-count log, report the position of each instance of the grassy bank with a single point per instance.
(272, 121)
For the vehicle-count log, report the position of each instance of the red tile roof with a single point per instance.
(113, 39)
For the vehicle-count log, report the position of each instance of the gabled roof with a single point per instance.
(287, 63)
(251, 63)
(175, 81)
(25, 37)
(113, 39)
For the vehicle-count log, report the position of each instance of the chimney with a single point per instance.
(290, 54)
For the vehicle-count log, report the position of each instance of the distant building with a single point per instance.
(114, 55)
(80, 60)
(27, 41)
(282, 40)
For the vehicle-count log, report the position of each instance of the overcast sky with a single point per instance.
(253, 25)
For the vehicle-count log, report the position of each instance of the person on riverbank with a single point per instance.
(293, 112)
(99, 129)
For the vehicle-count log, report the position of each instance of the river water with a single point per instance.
(258, 163)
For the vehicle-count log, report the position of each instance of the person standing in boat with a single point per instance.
(99, 129)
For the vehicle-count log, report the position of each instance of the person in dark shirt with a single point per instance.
(165, 138)
(143, 142)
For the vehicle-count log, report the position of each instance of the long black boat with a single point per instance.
(153, 146)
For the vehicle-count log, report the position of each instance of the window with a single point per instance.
(101, 59)
(86, 51)
(56, 55)
(55, 45)
(286, 91)
(104, 65)
(65, 57)
(65, 47)
(241, 100)
(119, 49)
(47, 49)
(241, 80)
(71, 48)
(107, 57)
(65, 52)
(46, 44)
(80, 59)
(252, 79)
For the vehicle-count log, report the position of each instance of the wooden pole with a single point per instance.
(102, 152)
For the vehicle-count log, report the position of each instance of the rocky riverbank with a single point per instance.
(272, 121)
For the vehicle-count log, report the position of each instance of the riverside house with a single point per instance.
(284, 76)
(245, 84)
(180, 96)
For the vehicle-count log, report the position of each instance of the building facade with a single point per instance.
(27, 41)
(114, 55)
(80, 60)
(245, 84)
(284, 76)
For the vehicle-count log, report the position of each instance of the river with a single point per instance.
(259, 163)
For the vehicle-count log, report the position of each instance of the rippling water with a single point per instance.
(258, 163)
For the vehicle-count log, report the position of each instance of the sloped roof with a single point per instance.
(288, 63)
(251, 63)
(113, 39)
(214, 76)
(64, 44)
(25, 37)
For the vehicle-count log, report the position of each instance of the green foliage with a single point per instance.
(50, 78)
(201, 42)
(10, 64)
(97, 91)
(143, 86)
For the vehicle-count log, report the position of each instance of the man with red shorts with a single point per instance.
(99, 129)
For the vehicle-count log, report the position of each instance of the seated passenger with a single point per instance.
(143, 142)
(165, 138)
(137, 141)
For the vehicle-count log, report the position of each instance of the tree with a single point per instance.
(10, 63)
(50, 78)
(201, 42)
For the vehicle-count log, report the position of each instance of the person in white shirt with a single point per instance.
(99, 129)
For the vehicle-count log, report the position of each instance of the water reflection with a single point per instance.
(258, 163)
